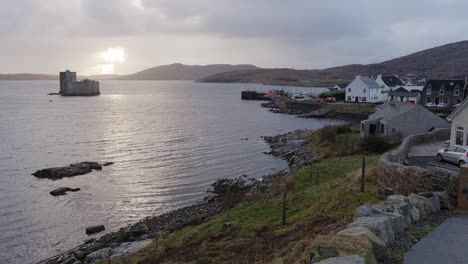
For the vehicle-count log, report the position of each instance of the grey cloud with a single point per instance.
(297, 33)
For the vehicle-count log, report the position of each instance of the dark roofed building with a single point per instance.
(399, 120)
(403, 95)
(449, 92)
(388, 82)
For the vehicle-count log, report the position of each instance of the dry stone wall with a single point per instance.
(394, 173)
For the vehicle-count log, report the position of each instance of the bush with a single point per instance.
(327, 134)
(339, 94)
(343, 130)
(375, 144)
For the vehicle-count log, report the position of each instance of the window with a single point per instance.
(442, 92)
(445, 100)
(364, 99)
(460, 150)
(429, 90)
(456, 92)
(459, 136)
(349, 90)
(364, 90)
(349, 98)
(452, 149)
(382, 129)
(428, 99)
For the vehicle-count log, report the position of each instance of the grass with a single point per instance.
(254, 233)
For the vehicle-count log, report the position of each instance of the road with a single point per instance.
(446, 244)
(425, 156)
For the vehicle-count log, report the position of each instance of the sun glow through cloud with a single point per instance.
(113, 55)
(108, 60)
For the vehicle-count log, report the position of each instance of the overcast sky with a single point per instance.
(125, 36)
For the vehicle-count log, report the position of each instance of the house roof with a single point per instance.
(389, 111)
(391, 80)
(458, 110)
(403, 92)
(447, 84)
(369, 82)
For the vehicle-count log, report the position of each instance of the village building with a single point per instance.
(459, 128)
(69, 86)
(364, 90)
(399, 120)
(449, 92)
(403, 95)
(388, 82)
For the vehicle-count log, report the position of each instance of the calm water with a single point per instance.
(169, 141)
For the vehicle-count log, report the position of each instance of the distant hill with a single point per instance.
(100, 77)
(174, 71)
(27, 77)
(440, 62)
(179, 71)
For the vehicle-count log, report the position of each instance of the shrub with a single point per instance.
(343, 130)
(339, 94)
(328, 134)
(375, 144)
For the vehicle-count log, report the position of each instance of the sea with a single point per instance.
(169, 140)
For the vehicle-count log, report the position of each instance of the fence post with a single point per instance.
(317, 174)
(284, 202)
(228, 204)
(363, 177)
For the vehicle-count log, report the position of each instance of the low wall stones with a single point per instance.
(393, 172)
(375, 229)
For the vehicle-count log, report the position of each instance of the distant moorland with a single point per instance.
(440, 62)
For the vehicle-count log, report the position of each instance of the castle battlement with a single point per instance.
(69, 86)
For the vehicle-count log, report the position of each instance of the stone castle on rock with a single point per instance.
(69, 86)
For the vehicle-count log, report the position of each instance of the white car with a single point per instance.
(431, 104)
(453, 154)
(456, 105)
(442, 105)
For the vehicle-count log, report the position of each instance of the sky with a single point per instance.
(126, 36)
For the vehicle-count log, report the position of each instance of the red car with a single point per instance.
(320, 100)
(330, 99)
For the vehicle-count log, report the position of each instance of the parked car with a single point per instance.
(320, 100)
(453, 154)
(330, 99)
(442, 105)
(456, 105)
(431, 104)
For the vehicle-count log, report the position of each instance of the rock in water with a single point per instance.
(63, 191)
(68, 171)
(95, 229)
(107, 164)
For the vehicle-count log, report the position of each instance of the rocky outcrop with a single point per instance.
(380, 225)
(68, 171)
(290, 146)
(63, 191)
(95, 229)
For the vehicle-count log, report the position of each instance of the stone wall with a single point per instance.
(393, 172)
(375, 229)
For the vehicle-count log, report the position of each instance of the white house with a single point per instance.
(459, 130)
(364, 90)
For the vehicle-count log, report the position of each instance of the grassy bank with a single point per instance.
(321, 200)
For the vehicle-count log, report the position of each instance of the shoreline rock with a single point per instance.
(95, 229)
(290, 147)
(63, 191)
(68, 171)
